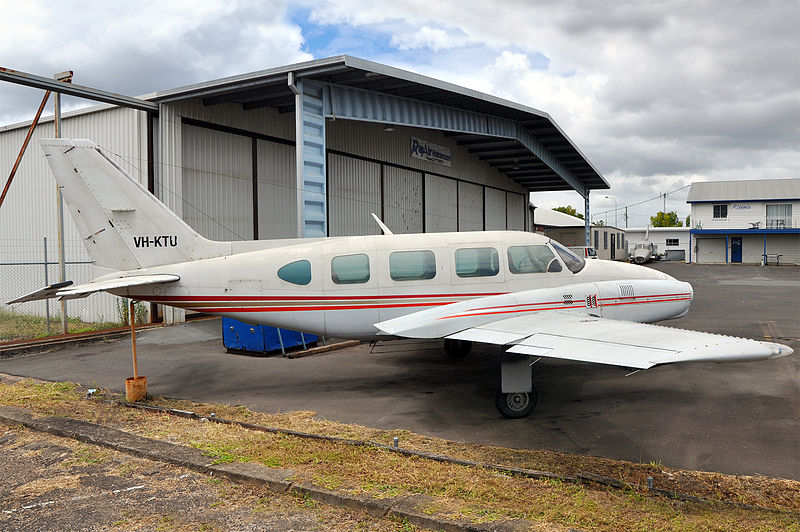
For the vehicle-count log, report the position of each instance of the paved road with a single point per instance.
(733, 418)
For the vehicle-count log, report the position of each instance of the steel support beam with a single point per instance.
(312, 207)
(39, 82)
(586, 224)
(547, 157)
(368, 106)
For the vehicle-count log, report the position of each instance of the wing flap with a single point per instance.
(68, 290)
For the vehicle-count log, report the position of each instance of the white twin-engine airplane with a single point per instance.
(519, 290)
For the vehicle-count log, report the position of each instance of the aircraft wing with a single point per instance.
(586, 338)
(68, 290)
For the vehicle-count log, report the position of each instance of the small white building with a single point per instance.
(609, 242)
(671, 242)
(751, 221)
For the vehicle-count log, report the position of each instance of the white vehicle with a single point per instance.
(587, 252)
(518, 290)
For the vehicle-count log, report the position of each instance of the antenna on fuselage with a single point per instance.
(386, 230)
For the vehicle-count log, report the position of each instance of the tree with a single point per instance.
(669, 219)
(569, 209)
(688, 217)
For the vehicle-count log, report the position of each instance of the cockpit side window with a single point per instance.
(297, 272)
(532, 259)
(573, 262)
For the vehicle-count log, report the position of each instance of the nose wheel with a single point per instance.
(516, 404)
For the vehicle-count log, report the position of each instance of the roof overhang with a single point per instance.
(539, 156)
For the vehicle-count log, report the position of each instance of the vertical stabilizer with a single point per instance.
(123, 226)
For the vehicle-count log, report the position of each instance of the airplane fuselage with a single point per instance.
(343, 286)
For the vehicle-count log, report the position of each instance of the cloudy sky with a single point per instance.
(655, 94)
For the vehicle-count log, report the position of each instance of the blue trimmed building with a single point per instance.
(750, 221)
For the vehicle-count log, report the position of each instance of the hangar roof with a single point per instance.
(509, 156)
(744, 190)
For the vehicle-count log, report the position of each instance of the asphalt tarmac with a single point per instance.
(733, 418)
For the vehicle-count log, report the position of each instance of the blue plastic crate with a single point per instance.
(240, 336)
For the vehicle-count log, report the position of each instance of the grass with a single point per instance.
(15, 326)
(473, 493)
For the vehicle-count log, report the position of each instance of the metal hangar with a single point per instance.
(306, 150)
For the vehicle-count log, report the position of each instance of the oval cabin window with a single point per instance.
(297, 272)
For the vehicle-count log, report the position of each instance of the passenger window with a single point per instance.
(412, 265)
(297, 272)
(477, 262)
(350, 269)
(532, 259)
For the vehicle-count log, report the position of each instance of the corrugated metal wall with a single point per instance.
(470, 207)
(354, 191)
(402, 200)
(29, 213)
(515, 211)
(277, 197)
(495, 209)
(217, 183)
(441, 204)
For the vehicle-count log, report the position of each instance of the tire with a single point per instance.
(515, 405)
(457, 348)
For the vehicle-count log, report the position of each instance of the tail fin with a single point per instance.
(124, 227)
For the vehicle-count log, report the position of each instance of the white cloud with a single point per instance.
(654, 94)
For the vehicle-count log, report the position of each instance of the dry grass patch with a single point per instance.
(475, 493)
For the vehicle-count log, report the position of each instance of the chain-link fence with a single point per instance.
(27, 265)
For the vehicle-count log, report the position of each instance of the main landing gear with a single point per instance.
(516, 397)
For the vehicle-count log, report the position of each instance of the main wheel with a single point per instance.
(517, 404)
(457, 348)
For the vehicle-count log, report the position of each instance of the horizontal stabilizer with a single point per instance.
(70, 291)
(42, 293)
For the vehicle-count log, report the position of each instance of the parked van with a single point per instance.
(587, 252)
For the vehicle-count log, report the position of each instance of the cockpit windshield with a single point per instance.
(573, 262)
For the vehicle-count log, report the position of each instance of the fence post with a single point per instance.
(46, 283)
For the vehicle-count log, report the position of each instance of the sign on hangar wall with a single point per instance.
(428, 151)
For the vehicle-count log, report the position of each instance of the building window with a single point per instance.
(605, 239)
(597, 240)
(720, 211)
(412, 265)
(297, 272)
(477, 262)
(779, 216)
(672, 242)
(350, 269)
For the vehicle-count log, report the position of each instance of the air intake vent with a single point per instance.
(626, 290)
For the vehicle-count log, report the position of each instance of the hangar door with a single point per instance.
(217, 183)
(223, 171)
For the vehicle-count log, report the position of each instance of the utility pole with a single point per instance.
(664, 209)
(626, 217)
(67, 78)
